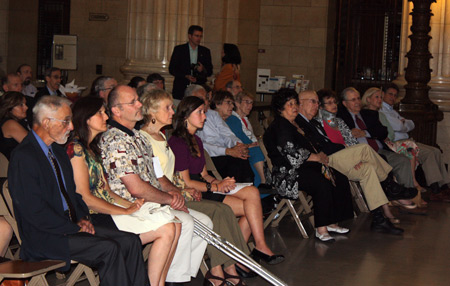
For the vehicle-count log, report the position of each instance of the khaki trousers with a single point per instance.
(372, 171)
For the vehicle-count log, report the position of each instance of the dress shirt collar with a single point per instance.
(119, 126)
(307, 120)
(386, 106)
(42, 144)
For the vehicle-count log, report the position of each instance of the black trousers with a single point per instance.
(331, 204)
(117, 255)
(228, 166)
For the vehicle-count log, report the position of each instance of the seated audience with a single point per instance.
(241, 127)
(6, 233)
(132, 174)
(89, 121)
(157, 80)
(366, 127)
(13, 125)
(230, 70)
(298, 166)
(52, 218)
(136, 82)
(372, 99)
(26, 75)
(145, 88)
(102, 86)
(234, 87)
(12, 82)
(158, 113)
(429, 157)
(52, 82)
(229, 154)
(190, 163)
(369, 172)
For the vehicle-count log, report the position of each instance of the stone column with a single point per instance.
(155, 27)
(439, 46)
(416, 104)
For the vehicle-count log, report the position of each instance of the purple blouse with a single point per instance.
(183, 158)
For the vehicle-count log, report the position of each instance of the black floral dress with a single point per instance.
(289, 151)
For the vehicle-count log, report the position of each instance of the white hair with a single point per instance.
(47, 106)
(192, 89)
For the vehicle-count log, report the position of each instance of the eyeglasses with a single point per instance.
(248, 101)
(313, 101)
(354, 99)
(229, 102)
(64, 123)
(133, 102)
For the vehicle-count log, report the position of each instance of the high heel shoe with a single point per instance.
(209, 276)
(245, 274)
(269, 259)
(229, 276)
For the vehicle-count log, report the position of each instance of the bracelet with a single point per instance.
(208, 187)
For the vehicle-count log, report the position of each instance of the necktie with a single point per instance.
(362, 126)
(62, 188)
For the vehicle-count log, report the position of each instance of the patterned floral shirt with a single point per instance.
(126, 152)
(97, 181)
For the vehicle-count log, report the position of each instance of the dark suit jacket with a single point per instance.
(370, 117)
(45, 91)
(38, 204)
(320, 142)
(180, 66)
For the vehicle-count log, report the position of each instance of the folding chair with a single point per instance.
(3, 166)
(287, 205)
(18, 269)
(79, 270)
(358, 197)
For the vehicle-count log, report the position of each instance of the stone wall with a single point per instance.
(293, 34)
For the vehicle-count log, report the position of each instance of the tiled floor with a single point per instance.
(420, 257)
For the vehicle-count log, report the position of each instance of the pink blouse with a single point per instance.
(334, 135)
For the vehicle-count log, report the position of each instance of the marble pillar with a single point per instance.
(155, 27)
(439, 47)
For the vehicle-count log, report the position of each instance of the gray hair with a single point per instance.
(192, 89)
(145, 88)
(48, 105)
(99, 83)
(347, 90)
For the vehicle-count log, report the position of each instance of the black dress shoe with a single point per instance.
(245, 274)
(394, 191)
(385, 226)
(269, 259)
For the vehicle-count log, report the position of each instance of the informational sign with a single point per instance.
(64, 52)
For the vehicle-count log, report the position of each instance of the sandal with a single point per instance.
(406, 206)
(209, 276)
(229, 276)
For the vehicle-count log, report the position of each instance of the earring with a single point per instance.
(185, 124)
(153, 120)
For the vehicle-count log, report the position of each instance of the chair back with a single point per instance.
(264, 151)
(7, 210)
(210, 167)
(3, 166)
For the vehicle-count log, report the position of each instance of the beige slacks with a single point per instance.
(372, 171)
(225, 224)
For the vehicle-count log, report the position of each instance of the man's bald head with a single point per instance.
(12, 82)
(308, 103)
